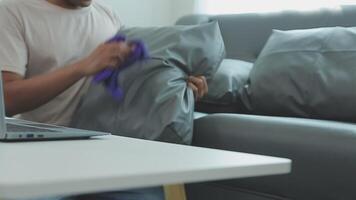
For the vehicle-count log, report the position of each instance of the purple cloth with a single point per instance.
(109, 77)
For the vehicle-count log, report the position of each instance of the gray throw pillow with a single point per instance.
(157, 104)
(225, 88)
(306, 73)
(195, 49)
(227, 83)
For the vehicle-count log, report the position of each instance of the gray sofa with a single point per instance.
(323, 152)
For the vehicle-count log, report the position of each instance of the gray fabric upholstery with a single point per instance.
(246, 34)
(196, 49)
(228, 82)
(323, 152)
(226, 87)
(307, 73)
(157, 103)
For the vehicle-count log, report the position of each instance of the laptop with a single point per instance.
(12, 129)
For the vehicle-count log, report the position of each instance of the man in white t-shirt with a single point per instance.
(49, 48)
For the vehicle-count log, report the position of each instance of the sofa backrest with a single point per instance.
(246, 34)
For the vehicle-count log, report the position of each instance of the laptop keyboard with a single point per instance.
(22, 128)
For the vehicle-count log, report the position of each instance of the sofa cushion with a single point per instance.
(322, 152)
(157, 105)
(306, 73)
(225, 87)
(195, 49)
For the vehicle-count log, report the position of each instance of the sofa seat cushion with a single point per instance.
(321, 152)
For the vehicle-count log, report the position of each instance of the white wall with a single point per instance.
(181, 8)
(143, 12)
(151, 12)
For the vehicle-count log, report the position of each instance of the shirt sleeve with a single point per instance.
(13, 50)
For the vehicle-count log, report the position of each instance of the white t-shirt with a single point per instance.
(37, 36)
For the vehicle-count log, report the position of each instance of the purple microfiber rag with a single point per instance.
(110, 76)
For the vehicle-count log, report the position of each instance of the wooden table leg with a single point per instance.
(175, 192)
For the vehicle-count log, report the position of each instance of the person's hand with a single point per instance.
(198, 85)
(108, 55)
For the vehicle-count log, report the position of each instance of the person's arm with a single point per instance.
(22, 95)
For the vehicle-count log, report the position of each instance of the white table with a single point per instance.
(41, 169)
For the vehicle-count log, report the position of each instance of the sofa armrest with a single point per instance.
(323, 153)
